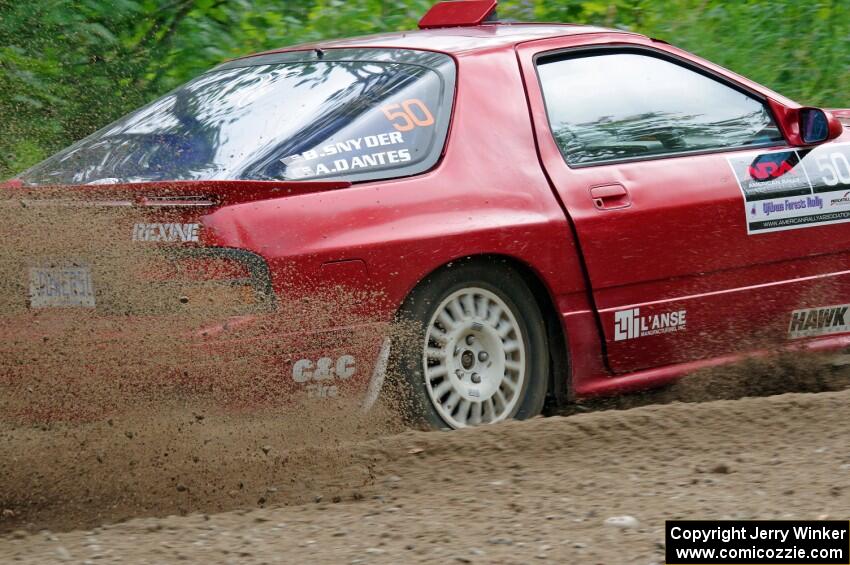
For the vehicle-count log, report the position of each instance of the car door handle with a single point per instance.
(610, 196)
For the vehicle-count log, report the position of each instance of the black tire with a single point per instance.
(420, 307)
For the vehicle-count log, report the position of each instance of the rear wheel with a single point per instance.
(480, 353)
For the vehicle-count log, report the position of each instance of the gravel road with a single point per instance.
(584, 488)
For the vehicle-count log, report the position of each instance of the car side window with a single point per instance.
(606, 107)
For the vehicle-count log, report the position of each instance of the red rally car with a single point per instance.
(563, 210)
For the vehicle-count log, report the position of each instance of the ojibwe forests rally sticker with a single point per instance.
(794, 188)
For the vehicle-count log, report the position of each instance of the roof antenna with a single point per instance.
(319, 53)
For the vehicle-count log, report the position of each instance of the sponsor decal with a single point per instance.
(844, 200)
(769, 207)
(166, 233)
(819, 321)
(772, 166)
(629, 324)
(318, 375)
(793, 189)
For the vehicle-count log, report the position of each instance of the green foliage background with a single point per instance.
(68, 67)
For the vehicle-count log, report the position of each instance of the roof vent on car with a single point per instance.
(459, 13)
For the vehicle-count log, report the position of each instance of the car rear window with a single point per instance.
(347, 114)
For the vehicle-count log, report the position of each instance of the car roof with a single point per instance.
(457, 40)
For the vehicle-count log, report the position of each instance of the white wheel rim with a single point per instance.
(474, 359)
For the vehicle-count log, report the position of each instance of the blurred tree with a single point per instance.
(68, 67)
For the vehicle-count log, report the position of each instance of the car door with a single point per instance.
(668, 172)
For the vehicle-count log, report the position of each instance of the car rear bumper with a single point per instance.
(240, 363)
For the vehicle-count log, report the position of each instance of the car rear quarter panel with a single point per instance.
(488, 195)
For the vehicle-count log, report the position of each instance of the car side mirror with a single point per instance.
(814, 126)
(806, 125)
(817, 126)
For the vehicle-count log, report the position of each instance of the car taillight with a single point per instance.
(195, 269)
(214, 280)
(178, 268)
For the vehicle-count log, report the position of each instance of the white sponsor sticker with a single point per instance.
(794, 188)
(318, 376)
(629, 324)
(166, 233)
(324, 369)
(61, 287)
(819, 321)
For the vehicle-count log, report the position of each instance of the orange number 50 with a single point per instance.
(411, 113)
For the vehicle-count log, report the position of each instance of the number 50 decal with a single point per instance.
(410, 114)
(837, 166)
